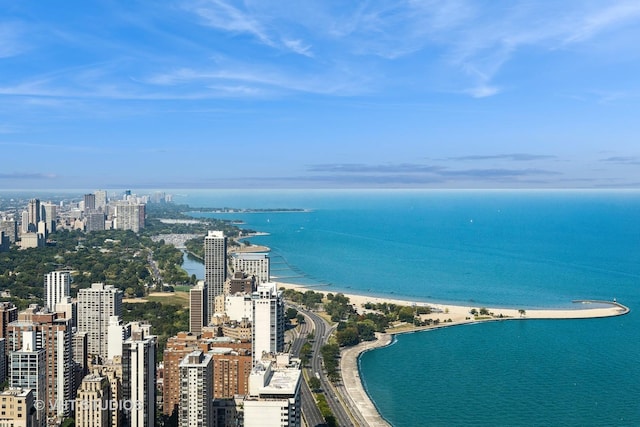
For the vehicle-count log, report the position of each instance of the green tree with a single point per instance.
(406, 314)
(314, 384)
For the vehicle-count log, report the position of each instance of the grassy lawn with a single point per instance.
(178, 297)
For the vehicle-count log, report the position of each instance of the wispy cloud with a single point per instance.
(224, 16)
(623, 160)
(613, 15)
(27, 176)
(364, 168)
(410, 173)
(519, 157)
(11, 39)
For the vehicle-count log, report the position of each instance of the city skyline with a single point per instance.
(220, 94)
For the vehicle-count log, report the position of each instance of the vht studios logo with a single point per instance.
(91, 405)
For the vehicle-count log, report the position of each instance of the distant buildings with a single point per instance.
(95, 221)
(89, 202)
(33, 215)
(49, 216)
(10, 229)
(129, 216)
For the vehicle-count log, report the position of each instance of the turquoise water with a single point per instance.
(521, 249)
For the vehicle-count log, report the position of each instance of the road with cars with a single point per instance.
(321, 333)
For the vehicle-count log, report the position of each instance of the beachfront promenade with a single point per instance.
(351, 392)
(359, 399)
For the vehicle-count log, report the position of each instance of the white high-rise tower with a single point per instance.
(95, 307)
(268, 321)
(56, 287)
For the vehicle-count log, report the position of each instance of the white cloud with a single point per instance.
(298, 47)
(11, 39)
(599, 21)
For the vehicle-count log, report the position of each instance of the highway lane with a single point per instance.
(310, 412)
(322, 331)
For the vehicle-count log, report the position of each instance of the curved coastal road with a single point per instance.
(322, 331)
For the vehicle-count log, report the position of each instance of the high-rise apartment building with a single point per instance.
(27, 371)
(8, 314)
(10, 228)
(100, 200)
(274, 394)
(89, 202)
(33, 210)
(198, 301)
(53, 336)
(268, 320)
(49, 216)
(253, 264)
(95, 306)
(196, 390)
(176, 349)
(24, 222)
(215, 266)
(93, 402)
(129, 216)
(95, 221)
(56, 286)
(18, 408)
(139, 378)
(232, 366)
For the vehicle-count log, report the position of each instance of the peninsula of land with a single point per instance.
(443, 315)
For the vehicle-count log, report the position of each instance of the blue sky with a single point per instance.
(221, 94)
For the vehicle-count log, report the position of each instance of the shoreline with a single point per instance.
(449, 315)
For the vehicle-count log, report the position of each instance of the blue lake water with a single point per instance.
(521, 249)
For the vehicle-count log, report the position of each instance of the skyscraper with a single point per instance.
(56, 286)
(101, 200)
(95, 306)
(139, 378)
(33, 210)
(196, 390)
(53, 336)
(198, 301)
(27, 370)
(176, 349)
(95, 221)
(89, 202)
(268, 321)
(129, 216)
(49, 216)
(215, 266)
(10, 228)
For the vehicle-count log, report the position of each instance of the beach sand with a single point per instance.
(448, 315)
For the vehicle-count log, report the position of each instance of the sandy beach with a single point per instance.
(448, 315)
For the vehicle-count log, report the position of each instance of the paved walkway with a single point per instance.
(351, 379)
